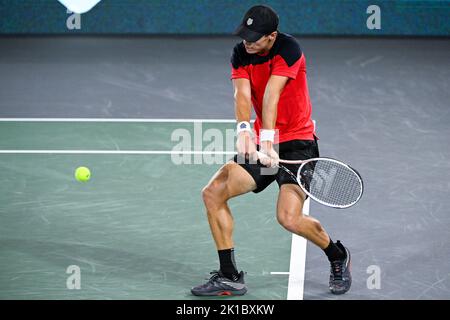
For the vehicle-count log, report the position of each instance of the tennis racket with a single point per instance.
(327, 181)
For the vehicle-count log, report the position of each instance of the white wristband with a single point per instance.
(267, 135)
(243, 126)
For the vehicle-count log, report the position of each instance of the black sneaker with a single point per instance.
(219, 285)
(340, 276)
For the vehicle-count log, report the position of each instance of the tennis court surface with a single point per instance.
(138, 230)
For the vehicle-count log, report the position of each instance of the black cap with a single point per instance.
(258, 21)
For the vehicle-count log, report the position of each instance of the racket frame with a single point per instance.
(299, 181)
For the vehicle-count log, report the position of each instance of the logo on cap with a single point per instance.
(249, 21)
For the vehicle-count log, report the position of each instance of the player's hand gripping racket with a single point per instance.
(327, 181)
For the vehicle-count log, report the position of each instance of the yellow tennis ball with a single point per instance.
(82, 174)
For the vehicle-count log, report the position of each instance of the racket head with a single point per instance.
(330, 182)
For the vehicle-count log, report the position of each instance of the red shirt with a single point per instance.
(285, 58)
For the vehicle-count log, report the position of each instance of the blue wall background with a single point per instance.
(218, 17)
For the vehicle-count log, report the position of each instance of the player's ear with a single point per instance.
(273, 35)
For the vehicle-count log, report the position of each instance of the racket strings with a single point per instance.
(331, 182)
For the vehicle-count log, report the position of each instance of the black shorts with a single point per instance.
(289, 150)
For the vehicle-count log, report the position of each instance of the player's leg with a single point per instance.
(291, 197)
(234, 178)
(289, 213)
(229, 181)
(290, 216)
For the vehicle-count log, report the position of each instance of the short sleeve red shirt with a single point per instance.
(294, 107)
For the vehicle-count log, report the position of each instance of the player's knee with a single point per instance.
(212, 194)
(207, 194)
(316, 225)
(288, 220)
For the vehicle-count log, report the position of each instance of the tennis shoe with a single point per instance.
(340, 274)
(219, 285)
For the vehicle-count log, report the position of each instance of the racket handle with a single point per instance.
(262, 155)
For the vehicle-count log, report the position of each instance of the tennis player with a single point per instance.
(268, 72)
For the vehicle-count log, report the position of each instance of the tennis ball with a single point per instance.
(82, 174)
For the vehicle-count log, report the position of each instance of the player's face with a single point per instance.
(263, 45)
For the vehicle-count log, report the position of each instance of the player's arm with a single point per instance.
(272, 94)
(242, 99)
(243, 110)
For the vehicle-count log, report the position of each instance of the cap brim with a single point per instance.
(247, 34)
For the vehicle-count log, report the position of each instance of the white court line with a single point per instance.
(126, 120)
(171, 152)
(297, 266)
(123, 120)
(283, 273)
